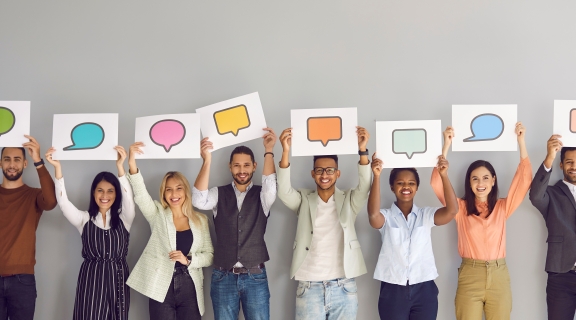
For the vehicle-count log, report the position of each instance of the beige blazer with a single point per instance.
(348, 203)
(153, 271)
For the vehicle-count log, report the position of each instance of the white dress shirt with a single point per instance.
(325, 260)
(406, 253)
(79, 218)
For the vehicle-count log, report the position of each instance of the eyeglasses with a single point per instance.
(329, 171)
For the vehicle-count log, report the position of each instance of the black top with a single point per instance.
(183, 243)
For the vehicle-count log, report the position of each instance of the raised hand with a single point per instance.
(33, 148)
(363, 137)
(55, 163)
(269, 140)
(135, 149)
(205, 149)
(120, 161)
(520, 130)
(442, 165)
(286, 139)
(448, 136)
(376, 165)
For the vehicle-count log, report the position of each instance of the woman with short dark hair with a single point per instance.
(101, 292)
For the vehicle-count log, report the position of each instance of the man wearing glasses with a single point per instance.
(327, 255)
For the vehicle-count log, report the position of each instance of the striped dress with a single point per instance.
(102, 292)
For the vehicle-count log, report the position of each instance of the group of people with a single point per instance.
(327, 255)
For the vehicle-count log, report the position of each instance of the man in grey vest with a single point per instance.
(558, 207)
(327, 255)
(241, 211)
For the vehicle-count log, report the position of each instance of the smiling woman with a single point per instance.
(101, 292)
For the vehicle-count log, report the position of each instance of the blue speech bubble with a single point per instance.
(486, 127)
(409, 141)
(86, 135)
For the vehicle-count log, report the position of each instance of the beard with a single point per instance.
(569, 179)
(14, 177)
(248, 179)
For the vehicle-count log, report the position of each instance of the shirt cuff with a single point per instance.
(547, 169)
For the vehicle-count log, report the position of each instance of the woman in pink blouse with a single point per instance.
(483, 279)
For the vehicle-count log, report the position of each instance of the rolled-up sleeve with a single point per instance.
(268, 193)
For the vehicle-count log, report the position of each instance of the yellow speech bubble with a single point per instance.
(232, 120)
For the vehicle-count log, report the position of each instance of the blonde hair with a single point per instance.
(187, 208)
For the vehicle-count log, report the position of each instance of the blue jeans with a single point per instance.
(228, 290)
(414, 301)
(17, 297)
(332, 300)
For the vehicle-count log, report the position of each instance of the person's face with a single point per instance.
(568, 166)
(13, 163)
(242, 168)
(405, 186)
(104, 195)
(174, 193)
(321, 173)
(481, 182)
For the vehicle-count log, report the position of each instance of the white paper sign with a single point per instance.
(169, 136)
(14, 123)
(565, 121)
(405, 144)
(233, 121)
(85, 136)
(324, 131)
(484, 127)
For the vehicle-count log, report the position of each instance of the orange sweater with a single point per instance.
(481, 237)
(20, 211)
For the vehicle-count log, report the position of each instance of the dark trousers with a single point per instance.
(17, 297)
(410, 302)
(180, 302)
(561, 295)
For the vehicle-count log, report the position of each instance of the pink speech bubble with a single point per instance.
(167, 133)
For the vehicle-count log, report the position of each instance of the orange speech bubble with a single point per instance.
(324, 129)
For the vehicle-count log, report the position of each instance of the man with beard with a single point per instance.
(241, 211)
(327, 255)
(558, 207)
(20, 211)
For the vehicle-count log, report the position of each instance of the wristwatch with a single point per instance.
(39, 163)
(363, 153)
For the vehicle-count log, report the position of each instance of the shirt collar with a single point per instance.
(247, 188)
(570, 186)
(397, 210)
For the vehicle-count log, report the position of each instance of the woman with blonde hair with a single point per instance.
(169, 272)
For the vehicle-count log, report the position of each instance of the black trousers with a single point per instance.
(561, 295)
(180, 302)
(411, 302)
(17, 297)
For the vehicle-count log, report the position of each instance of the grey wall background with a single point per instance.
(394, 60)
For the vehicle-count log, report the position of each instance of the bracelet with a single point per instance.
(269, 153)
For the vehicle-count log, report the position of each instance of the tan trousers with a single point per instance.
(483, 286)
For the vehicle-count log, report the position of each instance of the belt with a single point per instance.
(238, 270)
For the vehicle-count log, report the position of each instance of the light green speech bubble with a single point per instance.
(7, 120)
(409, 141)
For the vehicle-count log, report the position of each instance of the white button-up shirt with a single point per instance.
(406, 254)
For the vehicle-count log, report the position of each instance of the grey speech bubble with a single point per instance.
(409, 141)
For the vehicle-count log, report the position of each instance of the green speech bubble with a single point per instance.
(7, 120)
(409, 141)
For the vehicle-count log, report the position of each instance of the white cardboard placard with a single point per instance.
(169, 136)
(565, 121)
(87, 136)
(484, 127)
(14, 123)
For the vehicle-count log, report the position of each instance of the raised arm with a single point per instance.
(289, 196)
(523, 177)
(128, 205)
(269, 140)
(538, 195)
(447, 213)
(46, 200)
(375, 218)
(436, 180)
(141, 196)
(203, 177)
(359, 195)
(76, 217)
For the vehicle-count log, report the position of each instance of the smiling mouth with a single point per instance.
(242, 175)
(406, 192)
(480, 189)
(104, 201)
(324, 180)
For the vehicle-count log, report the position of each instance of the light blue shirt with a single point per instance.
(406, 254)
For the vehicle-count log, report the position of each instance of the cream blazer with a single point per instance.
(348, 203)
(153, 271)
